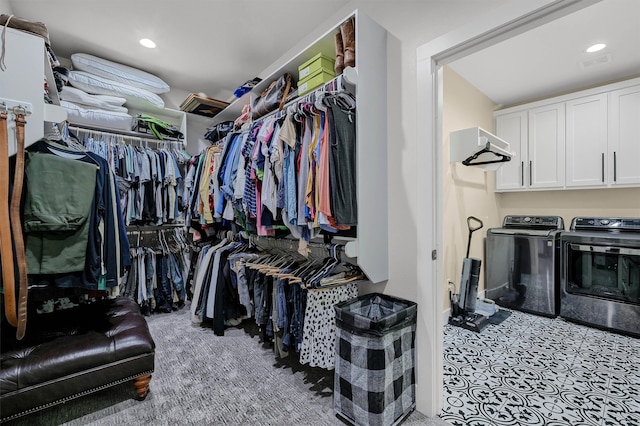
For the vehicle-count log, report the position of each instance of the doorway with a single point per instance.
(506, 22)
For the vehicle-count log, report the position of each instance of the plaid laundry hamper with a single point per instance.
(375, 360)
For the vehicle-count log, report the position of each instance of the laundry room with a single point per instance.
(560, 238)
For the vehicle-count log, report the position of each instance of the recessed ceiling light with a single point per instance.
(147, 43)
(596, 47)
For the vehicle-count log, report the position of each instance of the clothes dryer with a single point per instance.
(600, 273)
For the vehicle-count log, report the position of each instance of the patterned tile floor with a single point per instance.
(532, 370)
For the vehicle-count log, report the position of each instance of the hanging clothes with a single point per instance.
(156, 279)
(290, 301)
(292, 172)
(106, 246)
(150, 181)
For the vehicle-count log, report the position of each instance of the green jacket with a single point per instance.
(56, 214)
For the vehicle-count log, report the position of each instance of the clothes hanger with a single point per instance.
(67, 152)
(295, 276)
(328, 268)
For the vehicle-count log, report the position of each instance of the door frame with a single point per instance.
(512, 19)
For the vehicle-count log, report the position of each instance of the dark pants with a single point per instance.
(163, 293)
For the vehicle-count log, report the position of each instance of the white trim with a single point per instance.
(502, 23)
(605, 88)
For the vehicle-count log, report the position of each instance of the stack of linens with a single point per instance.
(101, 90)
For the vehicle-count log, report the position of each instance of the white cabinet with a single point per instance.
(546, 146)
(536, 137)
(587, 156)
(513, 129)
(587, 139)
(624, 136)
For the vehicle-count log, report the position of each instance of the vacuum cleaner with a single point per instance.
(463, 304)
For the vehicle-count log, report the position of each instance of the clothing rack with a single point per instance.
(132, 136)
(154, 228)
(155, 231)
(291, 245)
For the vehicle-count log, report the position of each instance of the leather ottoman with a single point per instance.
(70, 353)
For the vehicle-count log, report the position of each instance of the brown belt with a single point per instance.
(6, 247)
(16, 223)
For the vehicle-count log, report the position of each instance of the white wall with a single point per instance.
(612, 202)
(467, 190)
(5, 8)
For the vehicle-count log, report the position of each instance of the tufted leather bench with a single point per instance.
(70, 353)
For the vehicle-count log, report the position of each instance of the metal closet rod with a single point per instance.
(154, 228)
(123, 134)
(288, 244)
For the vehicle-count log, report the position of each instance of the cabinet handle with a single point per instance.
(522, 173)
(603, 167)
(530, 172)
(615, 167)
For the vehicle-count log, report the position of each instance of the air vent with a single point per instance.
(603, 59)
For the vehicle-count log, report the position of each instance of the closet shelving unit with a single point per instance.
(22, 84)
(174, 117)
(371, 245)
(27, 68)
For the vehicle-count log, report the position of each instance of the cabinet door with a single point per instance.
(546, 147)
(587, 141)
(624, 136)
(513, 129)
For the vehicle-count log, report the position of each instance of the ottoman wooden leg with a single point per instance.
(142, 386)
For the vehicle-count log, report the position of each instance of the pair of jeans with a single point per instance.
(282, 311)
(150, 271)
(175, 271)
(164, 296)
(297, 296)
(260, 298)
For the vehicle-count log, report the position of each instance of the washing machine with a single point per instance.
(523, 264)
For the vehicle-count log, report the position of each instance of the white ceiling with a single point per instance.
(203, 46)
(213, 46)
(550, 59)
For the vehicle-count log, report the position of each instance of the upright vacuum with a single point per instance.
(463, 304)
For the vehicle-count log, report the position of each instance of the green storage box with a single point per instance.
(314, 80)
(319, 61)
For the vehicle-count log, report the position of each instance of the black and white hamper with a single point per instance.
(375, 360)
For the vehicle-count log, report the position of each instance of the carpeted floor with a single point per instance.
(203, 379)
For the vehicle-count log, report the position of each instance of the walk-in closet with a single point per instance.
(259, 212)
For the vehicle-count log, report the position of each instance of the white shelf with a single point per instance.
(54, 113)
(481, 145)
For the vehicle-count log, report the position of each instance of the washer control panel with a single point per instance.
(533, 222)
(609, 224)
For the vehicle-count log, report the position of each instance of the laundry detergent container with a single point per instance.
(375, 360)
